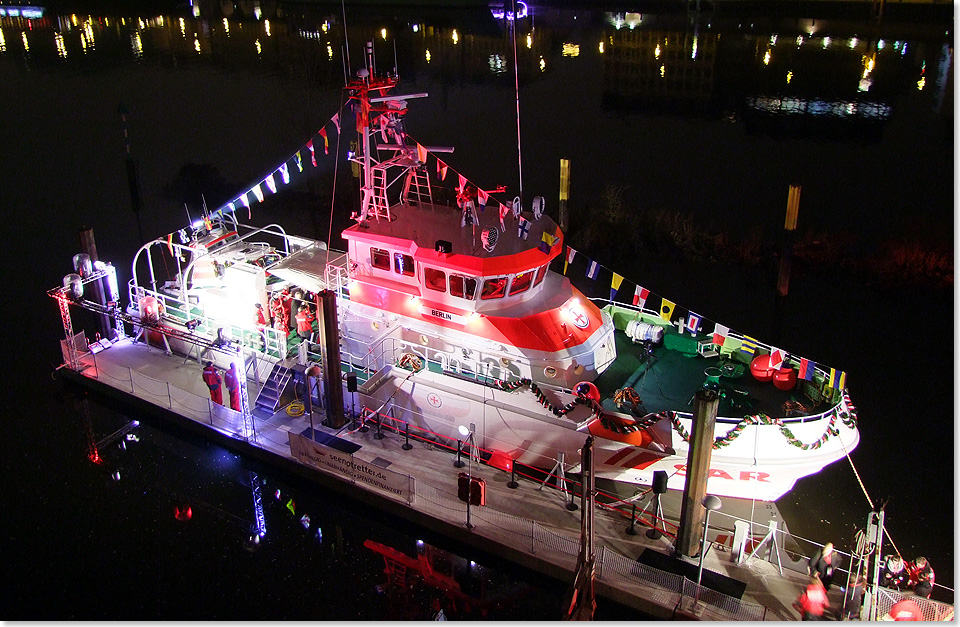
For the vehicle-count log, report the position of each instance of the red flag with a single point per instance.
(326, 144)
(313, 156)
(463, 181)
(441, 170)
(421, 153)
(640, 296)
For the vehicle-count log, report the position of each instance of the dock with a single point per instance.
(526, 519)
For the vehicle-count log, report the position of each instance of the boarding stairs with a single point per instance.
(277, 390)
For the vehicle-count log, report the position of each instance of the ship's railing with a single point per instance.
(270, 340)
(930, 610)
(162, 393)
(336, 275)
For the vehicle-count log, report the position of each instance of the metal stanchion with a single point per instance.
(459, 463)
(512, 484)
(378, 435)
(406, 435)
(632, 529)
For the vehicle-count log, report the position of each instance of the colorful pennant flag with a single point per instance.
(593, 270)
(546, 243)
(482, 197)
(462, 182)
(299, 161)
(524, 228)
(776, 358)
(666, 309)
(693, 323)
(640, 296)
(441, 170)
(285, 173)
(257, 192)
(807, 369)
(421, 153)
(170, 243)
(271, 184)
(748, 346)
(326, 144)
(313, 155)
(336, 121)
(571, 253)
(504, 210)
(615, 285)
(838, 379)
(720, 334)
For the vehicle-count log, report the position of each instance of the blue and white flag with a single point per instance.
(593, 270)
(524, 229)
(693, 323)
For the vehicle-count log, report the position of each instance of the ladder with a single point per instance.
(416, 189)
(380, 206)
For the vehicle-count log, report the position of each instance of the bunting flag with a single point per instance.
(285, 173)
(807, 369)
(593, 270)
(313, 155)
(299, 161)
(838, 379)
(336, 121)
(524, 228)
(571, 253)
(776, 358)
(666, 309)
(257, 192)
(246, 203)
(546, 243)
(170, 243)
(615, 285)
(748, 346)
(441, 170)
(462, 184)
(232, 207)
(482, 197)
(271, 184)
(504, 210)
(693, 323)
(640, 296)
(720, 334)
(421, 153)
(326, 144)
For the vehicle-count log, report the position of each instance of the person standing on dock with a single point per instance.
(232, 382)
(813, 600)
(824, 562)
(212, 378)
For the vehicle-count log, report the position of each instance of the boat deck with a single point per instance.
(498, 526)
(668, 378)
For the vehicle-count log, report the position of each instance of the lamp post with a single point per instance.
(468, 436)
(710, 503)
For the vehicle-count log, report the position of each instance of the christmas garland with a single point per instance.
(848, 419)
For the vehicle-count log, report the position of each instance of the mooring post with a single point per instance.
(698, 470)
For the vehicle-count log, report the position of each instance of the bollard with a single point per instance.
(406, 444)
(632, 529)
(378, 435)
(512, 484)
(459, 463)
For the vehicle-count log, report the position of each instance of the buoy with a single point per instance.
(588, 390)
(183, 512)
(760, 368)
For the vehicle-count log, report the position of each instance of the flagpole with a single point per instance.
(516, 83)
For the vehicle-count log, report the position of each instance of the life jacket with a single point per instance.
(305, 321)
(813, 599)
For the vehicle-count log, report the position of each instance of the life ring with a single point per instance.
(587, 389)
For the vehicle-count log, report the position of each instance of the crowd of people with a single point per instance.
(288, 311)
(895, 573)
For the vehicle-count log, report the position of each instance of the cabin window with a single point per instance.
(541, 272)
(521, 282)
(403, 264)
(435, 279)
(494, 288)
(380, 259)
(463, 286)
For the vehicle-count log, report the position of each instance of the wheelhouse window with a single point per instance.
(521, 282)
(494, 288)
(380, 259)
(541, 272)
(403, 264)
(463, 286)
(435, 279)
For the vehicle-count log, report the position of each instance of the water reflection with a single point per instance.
(791, 69)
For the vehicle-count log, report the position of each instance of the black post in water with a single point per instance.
(632, 529)
(88, 246)
(406, 439)
(786, 251)
(459, 463)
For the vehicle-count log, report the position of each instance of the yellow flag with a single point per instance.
(666, 309)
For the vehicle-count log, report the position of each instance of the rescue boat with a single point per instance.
(461, 313)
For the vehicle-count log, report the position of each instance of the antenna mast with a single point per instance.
(516, 82)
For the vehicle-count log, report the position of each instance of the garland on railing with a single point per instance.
(762, 419)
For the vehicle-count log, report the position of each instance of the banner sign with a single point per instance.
(306, 451)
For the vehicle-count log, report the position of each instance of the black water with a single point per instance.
(81, 545)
